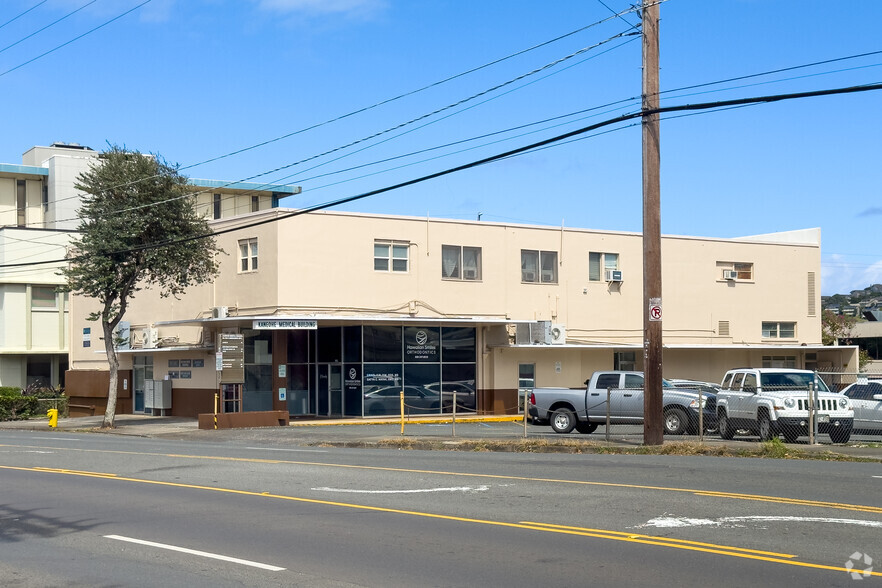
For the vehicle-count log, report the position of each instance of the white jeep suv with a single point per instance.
(776, 401)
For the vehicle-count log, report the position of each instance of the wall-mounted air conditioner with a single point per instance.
(151, 338)
(558, 334)
(730, 275)
(612, 275)
(219, 312)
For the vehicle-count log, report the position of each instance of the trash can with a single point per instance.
(53, 417)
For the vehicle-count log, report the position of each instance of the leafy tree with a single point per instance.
(138, 228)
(835, 326)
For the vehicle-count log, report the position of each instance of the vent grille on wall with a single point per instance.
(812, 306)
(723, 329)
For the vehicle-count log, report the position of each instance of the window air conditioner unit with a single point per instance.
(219, 312)
(558, 334)
(528, 276)
(470, 274)
(613, 275)
(730, 275)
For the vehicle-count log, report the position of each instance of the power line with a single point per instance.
(48, 25)
(520, 150)
(77, 38)
(390, 129)
(14, 18)
(398, 97)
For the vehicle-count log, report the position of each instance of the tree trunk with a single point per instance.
(113, 360)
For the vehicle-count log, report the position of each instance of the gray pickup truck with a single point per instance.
(584, 409)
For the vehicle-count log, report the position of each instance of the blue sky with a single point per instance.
(197, 79)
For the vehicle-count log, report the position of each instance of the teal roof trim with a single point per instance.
(33, 170)
(251, 186)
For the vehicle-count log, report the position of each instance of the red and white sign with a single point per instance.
(655, 309)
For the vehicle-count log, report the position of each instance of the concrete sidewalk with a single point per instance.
(368, 432)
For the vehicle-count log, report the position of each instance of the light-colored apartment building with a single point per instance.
(334, 313)
(38, 216)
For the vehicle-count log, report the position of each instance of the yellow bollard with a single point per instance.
(52, 413)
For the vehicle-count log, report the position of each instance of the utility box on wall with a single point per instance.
(158, 397)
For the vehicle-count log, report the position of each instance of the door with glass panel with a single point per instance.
(330, 390)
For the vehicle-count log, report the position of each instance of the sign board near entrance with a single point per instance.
(231, 348)
(267, 324)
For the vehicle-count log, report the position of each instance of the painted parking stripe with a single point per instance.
(287, 449)
(416, 491)
(674, 522)
(244, 562)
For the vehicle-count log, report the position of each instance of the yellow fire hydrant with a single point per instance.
(53, 417)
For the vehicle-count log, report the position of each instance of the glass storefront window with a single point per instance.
(329, 345)
(421, 344)
(458, 381)
(382, 344)
(351, 344)
(382, 384)
(458, 344)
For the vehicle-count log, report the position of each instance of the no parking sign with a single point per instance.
(655, 309)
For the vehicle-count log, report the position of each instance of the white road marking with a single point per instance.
(454, 489)
(244, 562)
(56, 438)
(671, 522)
(286, 449)
(877, 476)
(25, 451)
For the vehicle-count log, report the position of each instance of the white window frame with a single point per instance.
(460, 271)
(40, 303)
(248, 255)
(391, 256)
(605, 261)
(541, 274)
(774, 330)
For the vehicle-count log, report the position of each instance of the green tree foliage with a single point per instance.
(835, 326)
(138, 228)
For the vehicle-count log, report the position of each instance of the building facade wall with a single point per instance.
(325, 265)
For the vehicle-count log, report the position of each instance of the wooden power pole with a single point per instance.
(653, 431)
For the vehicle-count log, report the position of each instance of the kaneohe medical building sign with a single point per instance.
(277, 324)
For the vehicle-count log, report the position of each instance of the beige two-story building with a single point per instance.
(335, 313)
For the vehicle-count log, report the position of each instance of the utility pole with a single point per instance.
(653, 431)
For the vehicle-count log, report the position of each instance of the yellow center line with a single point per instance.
(708, 493)
(576, 531)
(659, 539)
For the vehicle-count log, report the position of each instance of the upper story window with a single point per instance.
(43, 297)
(216, 204)
(391, 256)
(460, 263)
(255, 203)
(248, 255)
(599, 263)
(773, 330)
(734, 270)
(21, 202)
(538, 266)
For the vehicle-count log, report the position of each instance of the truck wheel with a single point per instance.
(586, 428)
(726, 430)
(562, 420)
(676, 421)
(840, 434)
(765, 427)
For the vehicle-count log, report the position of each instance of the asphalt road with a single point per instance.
(76, 510)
